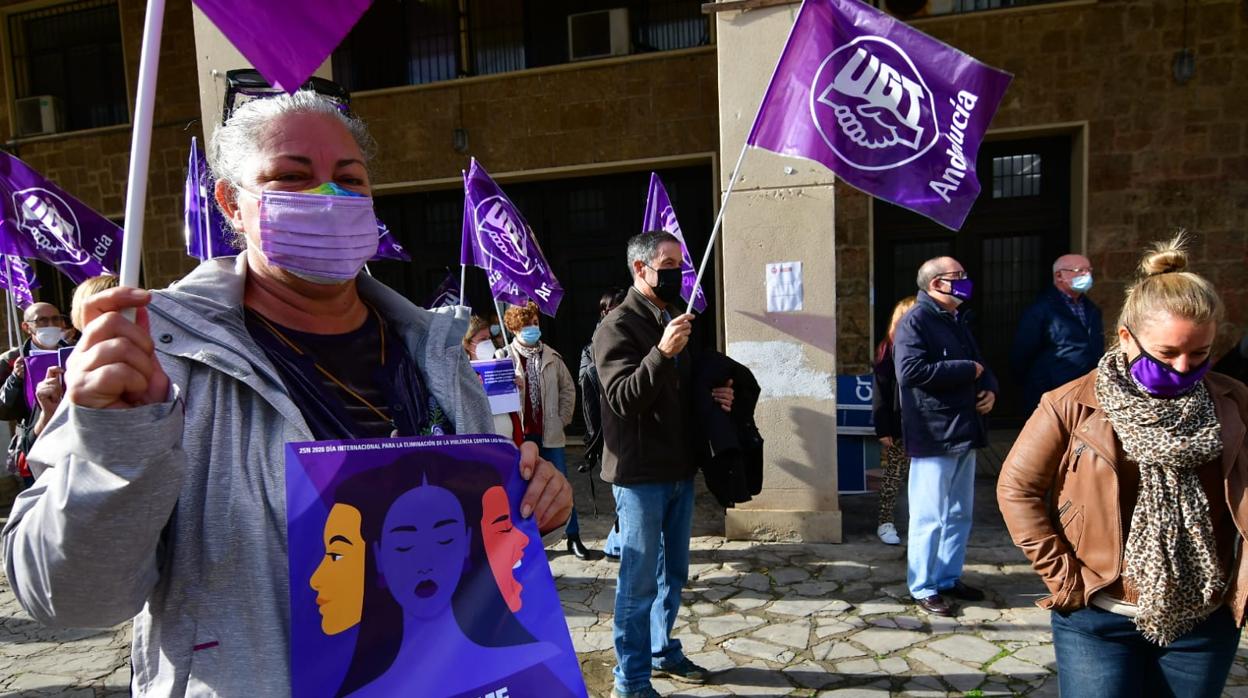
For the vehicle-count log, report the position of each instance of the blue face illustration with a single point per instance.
(424, 542)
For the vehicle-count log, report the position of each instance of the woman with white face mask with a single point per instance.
(480, 345)
(162, 492)
(547, 398)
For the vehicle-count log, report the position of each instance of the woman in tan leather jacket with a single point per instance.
(1128, 491)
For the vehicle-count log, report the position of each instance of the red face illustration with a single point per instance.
(504, 544)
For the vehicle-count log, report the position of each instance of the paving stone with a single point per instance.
(908, 622)
(713, 661)
(826, 628)
(880, 606)
(856, 668)
(883, 641)
(844, 571)
(716, 594)
(872, 691)
(800, 607)
(1043, 655)
(32, 681)
(756, 581)
(748, 600)
(719, 626)
(758, 650)
(580, 620)
(754, 679)
(960, 676)
(966, 648)
(815, 588)
(592, 640)
(832, 651)
(796, 635)
(978, 613)
(810, 675)
(894, 665)
(837, 606)
(1016, 669)
(883, 622)
(789, 575)
(691, 643)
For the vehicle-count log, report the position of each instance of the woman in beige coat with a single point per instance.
(547, 398)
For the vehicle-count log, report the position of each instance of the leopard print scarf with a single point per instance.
(1171, 556)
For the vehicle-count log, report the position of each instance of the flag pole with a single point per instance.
(8, 325)
(719, 219)
(498, 309)
(141, 147)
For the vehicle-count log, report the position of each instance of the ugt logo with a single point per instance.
(51, 223)
(872, 106)
(503, 236)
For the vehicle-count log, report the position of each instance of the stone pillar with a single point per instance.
(781, 210)
(214, 55)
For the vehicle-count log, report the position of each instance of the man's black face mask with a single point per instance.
(668, 288)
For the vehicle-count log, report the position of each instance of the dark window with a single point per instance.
(1016, 175)
(73, 53)
(410, 43)
(914, 9)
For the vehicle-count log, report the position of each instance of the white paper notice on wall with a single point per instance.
(784, 287)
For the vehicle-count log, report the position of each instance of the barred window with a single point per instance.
(1016, 175)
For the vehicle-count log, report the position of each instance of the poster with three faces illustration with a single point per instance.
(413, 573)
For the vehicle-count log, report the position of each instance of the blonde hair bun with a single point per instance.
(1166, 256)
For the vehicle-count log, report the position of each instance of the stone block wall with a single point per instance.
(1161, 156)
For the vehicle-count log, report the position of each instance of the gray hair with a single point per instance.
(643, 247)
(239, 138)
(930, 269)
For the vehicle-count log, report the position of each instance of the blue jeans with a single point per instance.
(1101, 654)
(942, 494)
(612, 546)
(656, 520)
(556, 456)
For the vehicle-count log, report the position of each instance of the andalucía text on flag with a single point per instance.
(889, 109)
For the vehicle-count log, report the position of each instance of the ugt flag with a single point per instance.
(661, 216)
(498, 240)
(39, 220)
(19, 278)
(206, 230)
(446, 294)
(286, 40)
(889, 109)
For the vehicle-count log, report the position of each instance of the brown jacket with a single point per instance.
(1059, 492)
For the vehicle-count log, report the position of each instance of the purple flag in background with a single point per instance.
(387, 246)
(39, 220)
(446, 294)
(206, 230)
(886, 107)
(502, 243)
(19, 278)
(286, 40)
(661, 216)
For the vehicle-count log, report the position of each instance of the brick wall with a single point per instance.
(661, 106)
(1161, 155)
(93, 165)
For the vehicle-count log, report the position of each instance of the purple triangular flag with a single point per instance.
(286, 40)
(661, 216)
(38, 220)
(19, 278)
(504, 246)
(446, 294)
(205, 229)
(889, 109)
(387, 246)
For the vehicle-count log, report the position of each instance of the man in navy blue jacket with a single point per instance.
(1061, 336)
(945, 392)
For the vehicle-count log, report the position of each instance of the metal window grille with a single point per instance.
(914, 9)
(1016, 175)
(496, 36)
(72, 52)
(665, 25)
(394, 44)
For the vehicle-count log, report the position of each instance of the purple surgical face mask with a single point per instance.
(1159, 378)
(324, 238)
(960, 289)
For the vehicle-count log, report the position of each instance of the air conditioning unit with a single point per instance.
(598, 34)
(38, 115)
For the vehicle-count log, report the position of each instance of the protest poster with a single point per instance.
(412, 573)
(499, 378)
(37, 365)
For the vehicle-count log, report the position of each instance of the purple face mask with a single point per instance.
(961, 289)
(1160, 379)
(319, 237)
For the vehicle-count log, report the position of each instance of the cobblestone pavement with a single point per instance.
(772, 619)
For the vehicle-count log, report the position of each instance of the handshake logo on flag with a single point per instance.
(502, 237)
(870, 91)
(53, 228)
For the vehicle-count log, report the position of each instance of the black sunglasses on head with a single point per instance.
(245, 84)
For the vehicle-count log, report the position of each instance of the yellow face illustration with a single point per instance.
(339, 579)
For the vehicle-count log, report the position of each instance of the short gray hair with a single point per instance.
(643, 247)
(930, 269)
(235, 141)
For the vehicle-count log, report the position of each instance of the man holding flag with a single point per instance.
(645, 370)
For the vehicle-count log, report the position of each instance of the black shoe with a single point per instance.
(611, 556)
(963, 592)
(577, 548)
(935, 605)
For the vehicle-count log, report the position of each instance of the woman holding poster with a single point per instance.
(163, 492)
